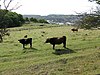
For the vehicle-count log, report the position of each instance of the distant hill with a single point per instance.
(56, 18)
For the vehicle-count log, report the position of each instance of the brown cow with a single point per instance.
(74, 29)
(57, 40)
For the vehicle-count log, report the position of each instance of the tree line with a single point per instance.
(13, 19)
(34, 20)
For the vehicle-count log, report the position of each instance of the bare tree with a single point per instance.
(6, 4)
(97, 1)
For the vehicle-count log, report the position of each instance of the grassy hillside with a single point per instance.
(82, 56)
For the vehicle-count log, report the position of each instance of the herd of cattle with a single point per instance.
(53, 41)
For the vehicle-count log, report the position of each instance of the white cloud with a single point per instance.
(45, 7)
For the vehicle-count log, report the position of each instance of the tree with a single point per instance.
(27, 20)
(4, 19)
(42, 21)
(34, 20)
(13, 19)
(91, 20)
(7, 3)
(97, 1)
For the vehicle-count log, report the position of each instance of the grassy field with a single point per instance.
(82, 56)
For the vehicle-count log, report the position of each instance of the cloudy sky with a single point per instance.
(46, 7)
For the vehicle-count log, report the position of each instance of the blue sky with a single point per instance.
(46, 7)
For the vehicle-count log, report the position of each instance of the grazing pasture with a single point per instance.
(81, 57)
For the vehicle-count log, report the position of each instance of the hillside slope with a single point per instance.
(81, 57)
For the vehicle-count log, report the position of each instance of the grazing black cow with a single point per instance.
(57, 40)
(74, 29)
(26, 41)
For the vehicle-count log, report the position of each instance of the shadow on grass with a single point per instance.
(63, 51)
(97, 74)
(26, 50)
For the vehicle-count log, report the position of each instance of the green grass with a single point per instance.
(81, 58)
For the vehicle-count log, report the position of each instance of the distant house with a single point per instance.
(51, 22)
(69, 23)
(61, 23)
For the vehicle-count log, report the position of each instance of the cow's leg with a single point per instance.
(23, 45)
(53, 46)
(64, 44)
(30, 45)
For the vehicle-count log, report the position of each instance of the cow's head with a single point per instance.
(21, 40)
(47, 40)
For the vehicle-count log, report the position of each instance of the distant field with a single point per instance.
(82, 56)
